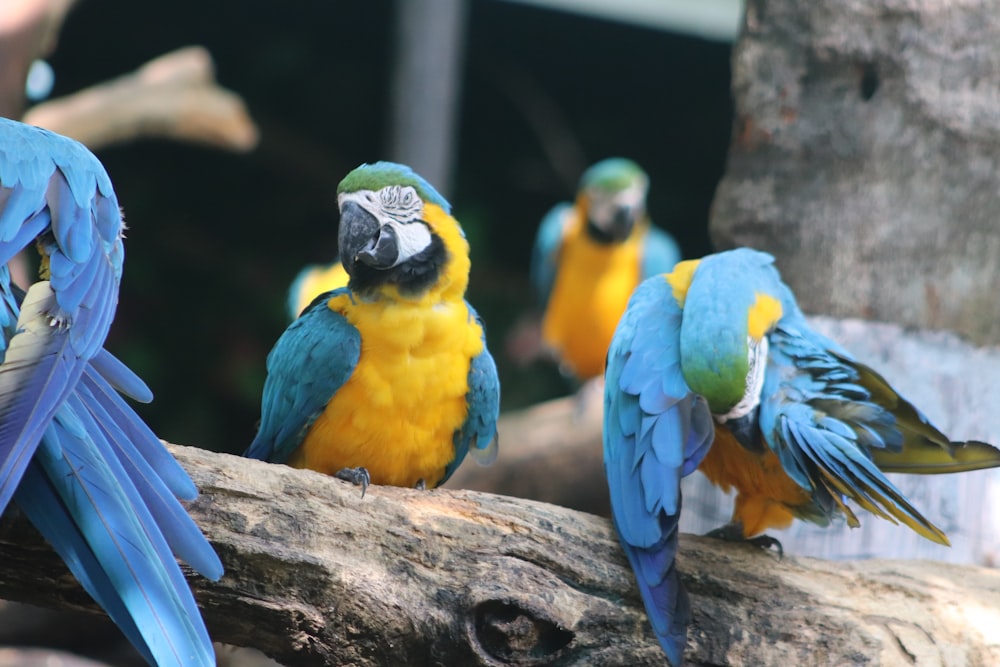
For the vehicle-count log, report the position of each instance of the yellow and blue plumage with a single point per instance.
(588, 257)
(714, 367)
(78, 461)
(387, 379)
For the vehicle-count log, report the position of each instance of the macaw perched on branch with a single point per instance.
(713, 366)
(82, 466)
(387, 380)
(587, 259)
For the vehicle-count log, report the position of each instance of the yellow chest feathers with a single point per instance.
(398, 412)
(590, 293)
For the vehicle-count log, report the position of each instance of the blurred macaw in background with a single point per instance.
(76, 459)
(587, 259)
(387, 380)
(714, 367)
(312, 281)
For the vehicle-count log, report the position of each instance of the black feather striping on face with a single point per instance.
(415, 275)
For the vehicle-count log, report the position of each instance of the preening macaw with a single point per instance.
(76, 459)
(587, 259)
(713, 366)
(312, 281)
(387, 380)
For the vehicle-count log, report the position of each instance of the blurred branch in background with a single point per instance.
(426, 87)
(29, 30)
(174, 96)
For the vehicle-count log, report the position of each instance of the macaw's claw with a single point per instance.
(357, 476)
(421, 485)
(733, 532)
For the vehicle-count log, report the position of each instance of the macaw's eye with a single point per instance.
(401, 203)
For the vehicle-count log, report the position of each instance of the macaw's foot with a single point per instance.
(421, 485)
(733, 532)
(357, 476)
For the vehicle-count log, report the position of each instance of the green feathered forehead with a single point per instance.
(613, 174)
(376, 176)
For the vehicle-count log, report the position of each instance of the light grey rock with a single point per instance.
(866, 157)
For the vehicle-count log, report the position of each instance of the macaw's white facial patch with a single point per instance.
(413, 238)
(399, 208)
(399, 203)
(757, 360)
(603, 205)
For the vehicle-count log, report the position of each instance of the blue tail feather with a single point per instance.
(38, 499)
(182, 534)
(142, 572)
(142, 439)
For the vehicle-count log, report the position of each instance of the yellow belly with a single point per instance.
(589, 296)
(398, 413)
(765, 494)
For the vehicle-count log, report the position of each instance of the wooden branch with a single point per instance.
(318, 575)
(174, 96)
(550, 452)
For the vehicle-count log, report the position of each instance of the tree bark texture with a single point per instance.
(866, 157)
(318, 575)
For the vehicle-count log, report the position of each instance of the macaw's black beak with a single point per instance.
(623, 221)
(362, 239)
(746, 430)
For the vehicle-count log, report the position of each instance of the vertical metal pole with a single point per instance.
(426, 87)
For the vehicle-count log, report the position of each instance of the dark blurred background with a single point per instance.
(216, 238)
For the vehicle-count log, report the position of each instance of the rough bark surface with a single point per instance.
(318, 575)
(866, 157)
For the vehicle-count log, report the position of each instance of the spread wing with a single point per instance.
(826, 425)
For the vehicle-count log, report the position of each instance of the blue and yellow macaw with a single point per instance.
(387, 380)
(714, 367)
(82, 466)
(587, 259)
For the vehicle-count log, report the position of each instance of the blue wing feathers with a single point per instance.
(315, 355)
(479, 431)
(84, 468)
(655, 432)
(545, 251)
(659, 252)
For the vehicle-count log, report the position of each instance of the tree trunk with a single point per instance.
(318, 575)
(866, 157)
